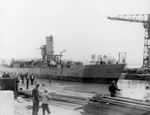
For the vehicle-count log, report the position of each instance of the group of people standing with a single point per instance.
(6, 75)
(44, 97)
(28, 77)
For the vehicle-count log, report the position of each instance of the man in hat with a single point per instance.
(35, 94)
(45, 98)
(113, 88)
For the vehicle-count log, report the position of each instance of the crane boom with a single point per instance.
(139, 18)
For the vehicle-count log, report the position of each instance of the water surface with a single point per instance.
(134, 89)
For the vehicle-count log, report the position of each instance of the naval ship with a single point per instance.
(51, 66)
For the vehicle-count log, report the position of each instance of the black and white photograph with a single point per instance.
(74, 57)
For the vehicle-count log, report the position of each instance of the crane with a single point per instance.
(145, 20)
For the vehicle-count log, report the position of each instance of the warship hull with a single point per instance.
(79, 73)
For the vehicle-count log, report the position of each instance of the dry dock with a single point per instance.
(103, 107)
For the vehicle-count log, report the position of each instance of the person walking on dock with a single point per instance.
(17, 83)
(22, 78)
(35, 94)
(45, 98)
(32, 79)
(113, 88)
(27, 82)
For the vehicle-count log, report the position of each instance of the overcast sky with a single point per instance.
(80, 27)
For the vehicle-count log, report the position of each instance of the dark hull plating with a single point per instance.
(79, 73)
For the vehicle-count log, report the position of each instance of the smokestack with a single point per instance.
(49, 47)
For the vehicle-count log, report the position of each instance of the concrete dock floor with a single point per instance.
(20, 109)
(56, 108)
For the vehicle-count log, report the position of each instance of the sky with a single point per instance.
(80, 27)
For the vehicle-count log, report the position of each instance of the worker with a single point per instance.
(17, 83)
(35, 94)
(147, 94)
(32, 79)
(27, 82)
(4, 75)
(113, 88)
(45, 98)
(22, 78)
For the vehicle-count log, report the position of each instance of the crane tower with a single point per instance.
(139, 18)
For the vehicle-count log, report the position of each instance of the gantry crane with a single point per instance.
(140, 18)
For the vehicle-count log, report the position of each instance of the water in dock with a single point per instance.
(134, 89)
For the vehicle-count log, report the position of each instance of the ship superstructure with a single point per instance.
(104, 69)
